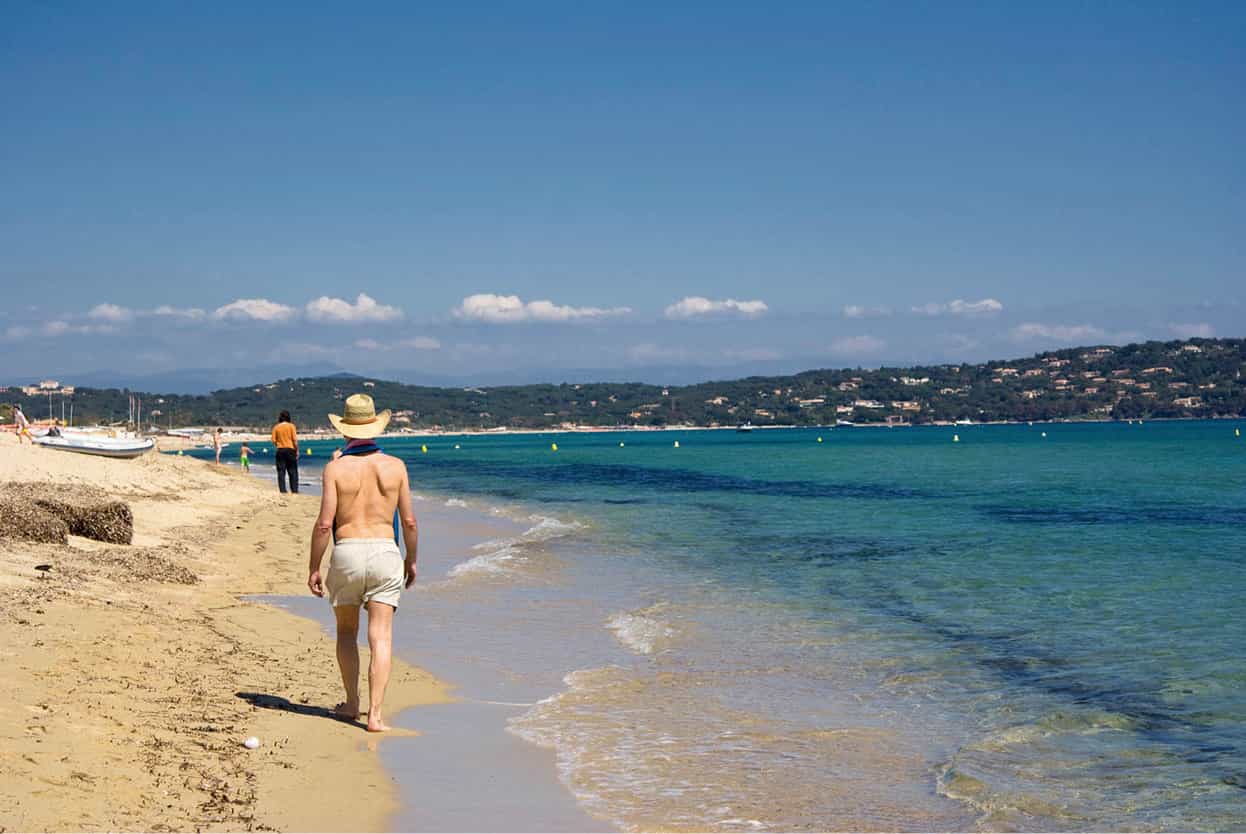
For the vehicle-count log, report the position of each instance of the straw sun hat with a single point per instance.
(360, 420)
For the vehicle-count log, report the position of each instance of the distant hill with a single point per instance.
(1192, 378)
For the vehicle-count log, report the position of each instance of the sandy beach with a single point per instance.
(133, 673)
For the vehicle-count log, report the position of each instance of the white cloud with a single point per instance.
(858, 311)
(179, 312)
(339, 310)
(59, 327)
(696, 305)
(511, 308)
(421, 343)
(855, 345)
(254, 309)
(1056, 332)
(1199, 330)
(960, 307)
(110, 312)
(416, 343)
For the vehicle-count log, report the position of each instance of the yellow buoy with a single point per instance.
(676, 444)
(1044, 434)
(956, 438)
(309, 451)
(1236, 433)
(180, 452)
(423, 448)
(620, 444)
(819, 440)
(456, 445)
(553, 447)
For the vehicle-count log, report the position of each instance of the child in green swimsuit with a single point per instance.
(244, 458)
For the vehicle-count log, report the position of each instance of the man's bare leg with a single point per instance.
(380, 642)
(348, 658)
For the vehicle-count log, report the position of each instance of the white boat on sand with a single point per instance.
(89, 444)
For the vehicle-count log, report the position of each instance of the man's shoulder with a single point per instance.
(390, 461)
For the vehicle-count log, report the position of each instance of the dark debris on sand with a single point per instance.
(139, 563)
(45, 512)
(48, 514)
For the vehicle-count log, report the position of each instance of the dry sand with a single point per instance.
(132, 674)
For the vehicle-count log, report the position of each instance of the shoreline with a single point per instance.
(131, 695)
(173, 443)
(470, 773)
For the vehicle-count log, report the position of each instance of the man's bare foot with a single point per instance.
(346, 711)
(376, 725)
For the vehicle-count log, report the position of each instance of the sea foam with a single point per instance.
(639, 632)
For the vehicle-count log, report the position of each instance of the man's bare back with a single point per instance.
(369, 488)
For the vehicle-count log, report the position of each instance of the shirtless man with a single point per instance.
(362, 489)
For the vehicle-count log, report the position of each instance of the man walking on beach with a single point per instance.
(363, 490)
(286, 441)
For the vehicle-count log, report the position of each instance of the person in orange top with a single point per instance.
(286, 439)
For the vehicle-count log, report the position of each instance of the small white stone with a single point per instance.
(251, 743)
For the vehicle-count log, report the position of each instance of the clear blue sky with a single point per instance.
(1078, 165)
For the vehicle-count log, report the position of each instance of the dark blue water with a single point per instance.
(1034, 627)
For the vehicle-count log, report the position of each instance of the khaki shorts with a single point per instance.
(363, 571)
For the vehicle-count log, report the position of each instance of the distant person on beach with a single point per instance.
(216, 444)
(244, 457)
(286, 439)
(363, 490)
(22, 425)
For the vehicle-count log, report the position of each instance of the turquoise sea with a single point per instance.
(1034, 628)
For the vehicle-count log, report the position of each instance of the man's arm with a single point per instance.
(410, 529)
(323, 531)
